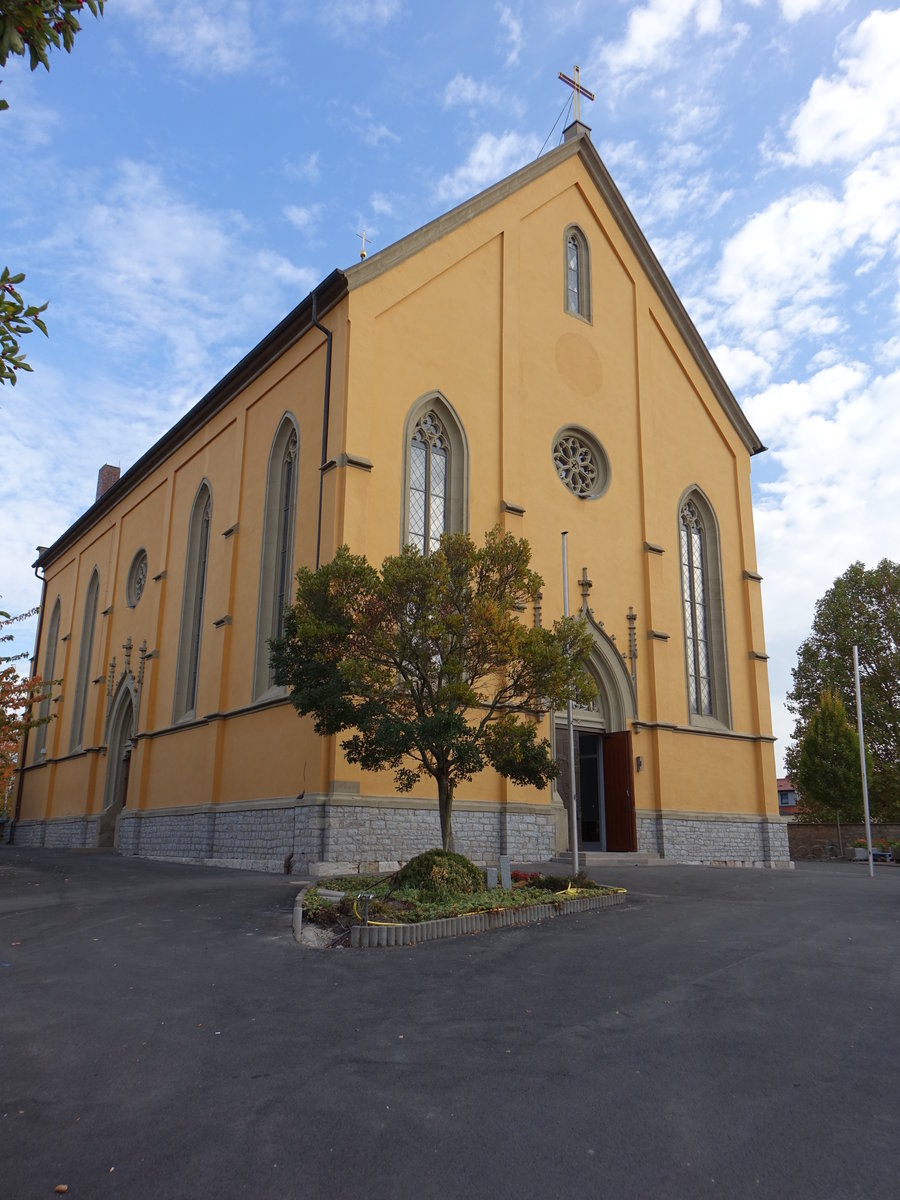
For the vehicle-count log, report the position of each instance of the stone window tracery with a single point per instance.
(429, 462)
(580, 463)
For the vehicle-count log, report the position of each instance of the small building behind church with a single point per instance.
(523, 361)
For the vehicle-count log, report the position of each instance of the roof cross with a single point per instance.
(577, 90)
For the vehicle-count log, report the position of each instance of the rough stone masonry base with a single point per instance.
(281, 835)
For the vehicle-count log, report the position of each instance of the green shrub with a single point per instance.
(440, 873)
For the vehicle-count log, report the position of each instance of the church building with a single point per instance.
(521, 361)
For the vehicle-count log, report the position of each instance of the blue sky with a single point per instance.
(181, 180)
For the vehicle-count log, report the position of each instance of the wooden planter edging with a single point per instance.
(365, 936)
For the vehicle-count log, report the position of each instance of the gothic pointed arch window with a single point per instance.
(703, 611)
(577, 273)
(85, 654)
(187, 671)
(435, 474)
(40, 734)
(277, 559)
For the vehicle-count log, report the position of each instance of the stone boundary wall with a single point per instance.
(715, 841)
(367, 936)
(821, 841)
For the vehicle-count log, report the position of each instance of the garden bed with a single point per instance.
(426, 903)
(367, 936)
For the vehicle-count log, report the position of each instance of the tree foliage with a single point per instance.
(16, 319)
(427, 666)
(32, 28)
(827, 776)
(17, 697)
(861, 608)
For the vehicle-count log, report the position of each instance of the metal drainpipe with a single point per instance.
(325, 416)
(37, 646)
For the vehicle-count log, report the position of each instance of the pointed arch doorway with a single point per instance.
(604, 771)
(121, 732)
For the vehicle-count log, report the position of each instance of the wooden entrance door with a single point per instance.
(618, 780)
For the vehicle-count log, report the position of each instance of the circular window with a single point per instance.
(581, 463)
(137, 577)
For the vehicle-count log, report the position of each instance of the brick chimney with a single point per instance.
(106, 477)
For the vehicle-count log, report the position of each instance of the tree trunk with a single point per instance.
(445, 805)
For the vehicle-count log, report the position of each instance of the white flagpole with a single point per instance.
(862, 760)
(570, 716)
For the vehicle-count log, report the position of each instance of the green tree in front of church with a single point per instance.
(427, 666)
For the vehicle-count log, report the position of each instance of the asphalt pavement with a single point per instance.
(726, 1033)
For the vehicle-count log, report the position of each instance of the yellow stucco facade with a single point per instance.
(168, 737)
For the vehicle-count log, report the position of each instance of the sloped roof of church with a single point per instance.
(335, 286)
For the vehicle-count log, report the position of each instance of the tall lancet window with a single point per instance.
(287, 493)
(577, 274)
(435, 474)
(40, 734)
(704, 612)
(85, 654)
(694, 588)
(277, 560)
(188, 669)
(429, 463)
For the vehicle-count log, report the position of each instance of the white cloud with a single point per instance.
(202, 36)
(490, 159)
(850, 112)
(793, 10)
(149, 273)
(778, 275)
(742, 367)
(511, 40)
(381, 205)
(889, 351)
(303, 216)
(306, 168)
(275, 266)
(780, 262)
(464, 92)
(372, 132)
(343, 17)
(777, 412)
(654, 29)
(27, 123)
(377, 132)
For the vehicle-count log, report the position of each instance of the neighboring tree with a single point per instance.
(862, 608)
(32, 27)
(828, 779)
(430, 665)
(17, 696)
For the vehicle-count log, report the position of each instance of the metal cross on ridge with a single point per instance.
(578, 91)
